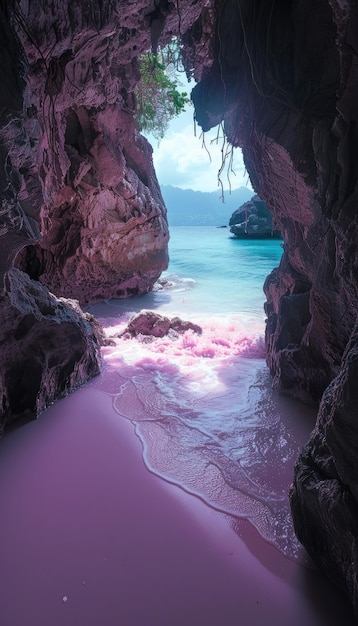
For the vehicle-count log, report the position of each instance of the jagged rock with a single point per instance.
(253, 220)
(325, 490)
(84, 171)
(291, 104)
(81, 209)
(154, 325)
(48, 348)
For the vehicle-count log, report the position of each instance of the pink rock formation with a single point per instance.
(81, 210)
(154, 325)
(102, 219)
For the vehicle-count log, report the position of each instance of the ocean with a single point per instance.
(202, 405)
(213, 273)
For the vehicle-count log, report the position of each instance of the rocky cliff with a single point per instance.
(82, 214)
(85, 174)
(284, 81)
(81, 209)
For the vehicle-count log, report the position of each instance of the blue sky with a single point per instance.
(181, 160)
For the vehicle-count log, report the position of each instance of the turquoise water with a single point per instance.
(202, 404)
(212, 273)
(229, 273)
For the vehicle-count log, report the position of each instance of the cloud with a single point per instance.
(181, 159)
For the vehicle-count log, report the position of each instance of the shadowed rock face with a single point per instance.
(285, 81)
(253, 220)
(283, 69)
(48, 347)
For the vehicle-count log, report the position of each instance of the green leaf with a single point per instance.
(158, 98)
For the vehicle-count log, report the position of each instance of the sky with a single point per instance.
(181, 160)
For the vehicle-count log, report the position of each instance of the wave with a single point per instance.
(208, 421)
(174, 283)
(220, 338)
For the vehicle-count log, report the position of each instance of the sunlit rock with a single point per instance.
(84, 171)
(152, 324)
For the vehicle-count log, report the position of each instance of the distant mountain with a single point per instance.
(197, 208)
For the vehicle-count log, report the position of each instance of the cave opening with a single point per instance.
(189, 158)
(281, 76)
(30, 259)
(74, 135)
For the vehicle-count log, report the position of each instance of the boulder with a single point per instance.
(154, 325)
(253, 220)
(49, 347)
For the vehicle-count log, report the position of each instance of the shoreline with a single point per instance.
(91, 536)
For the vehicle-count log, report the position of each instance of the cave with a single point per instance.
(29, 260)
(83, 219)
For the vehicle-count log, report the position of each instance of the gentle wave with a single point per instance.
(203, 408)
(202, 404)
(174, 283)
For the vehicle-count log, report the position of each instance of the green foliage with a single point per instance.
(158, 98)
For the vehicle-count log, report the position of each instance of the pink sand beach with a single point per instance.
(90, 537)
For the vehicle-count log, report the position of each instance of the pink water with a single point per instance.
(203, 408)
(90, 536)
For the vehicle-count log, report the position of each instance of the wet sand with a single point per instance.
(90, 537)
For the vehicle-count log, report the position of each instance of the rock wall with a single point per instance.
(48, 348)
(87, 176)
(81, 210)
(284, 81)
(274, 82)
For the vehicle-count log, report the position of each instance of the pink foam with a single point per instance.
(220, 339)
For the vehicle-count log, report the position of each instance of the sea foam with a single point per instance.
(203, 408)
